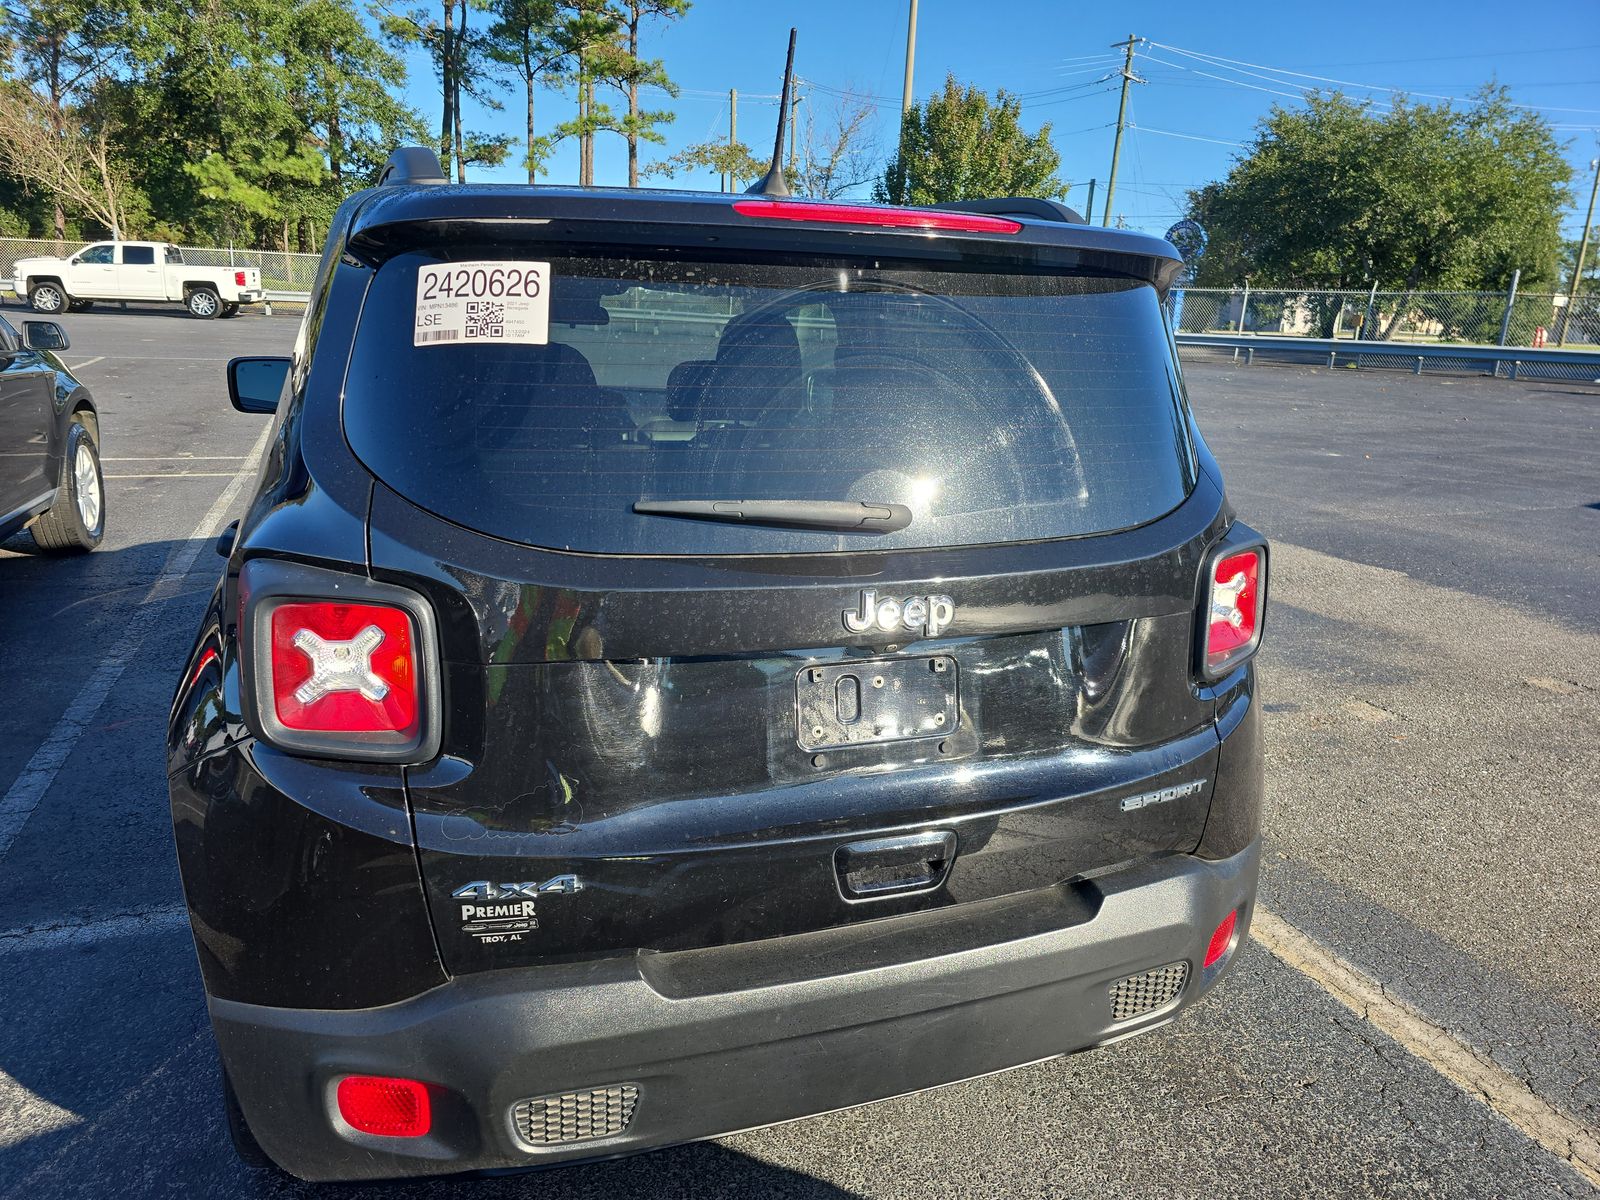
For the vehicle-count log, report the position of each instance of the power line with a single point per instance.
(1102, 56)
(1387, 62)
(1223, 79)
(1193, 137)
(1239, 65)
(1068, 99)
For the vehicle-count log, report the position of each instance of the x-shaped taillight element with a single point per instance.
(1225, 599)
(340, 666)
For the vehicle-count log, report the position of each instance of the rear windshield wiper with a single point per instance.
(853, 516)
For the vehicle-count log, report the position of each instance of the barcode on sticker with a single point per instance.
(438, 335)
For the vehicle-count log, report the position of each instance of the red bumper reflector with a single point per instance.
(384, 1106)
(873, 214)
(1221, 940)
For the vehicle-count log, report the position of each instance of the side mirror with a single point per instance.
(44, 335)
(254, 384)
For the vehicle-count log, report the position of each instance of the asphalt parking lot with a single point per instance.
(1432, 684)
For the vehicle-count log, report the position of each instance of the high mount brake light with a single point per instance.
(1233, 614)
(385, 1106)
(871, 214)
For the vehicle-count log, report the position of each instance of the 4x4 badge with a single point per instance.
(484, 890)
(930, 614)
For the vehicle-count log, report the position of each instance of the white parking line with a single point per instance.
(88, 362)
(177, 475)
(25, 792)
(1470, 1070)
(175, 458)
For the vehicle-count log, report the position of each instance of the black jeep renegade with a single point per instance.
(694, 661)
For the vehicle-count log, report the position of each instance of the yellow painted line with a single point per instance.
(1469, 1069)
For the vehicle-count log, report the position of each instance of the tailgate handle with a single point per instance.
(894, 866)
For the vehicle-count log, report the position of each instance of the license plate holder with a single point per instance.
(868, 701)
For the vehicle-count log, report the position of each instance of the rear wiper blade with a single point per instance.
(852, 516)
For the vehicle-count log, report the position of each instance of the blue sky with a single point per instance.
(1548, 55)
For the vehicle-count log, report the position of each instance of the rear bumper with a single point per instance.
(736, 1037)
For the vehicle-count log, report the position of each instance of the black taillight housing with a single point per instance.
(1233, 597)
(337, 665)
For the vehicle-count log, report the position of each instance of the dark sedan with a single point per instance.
(50, 479)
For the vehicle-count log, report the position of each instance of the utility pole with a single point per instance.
(905, 102)
(794, 102)
(1122, 114)
(1583, 250)
(733, 134)
(911, 56)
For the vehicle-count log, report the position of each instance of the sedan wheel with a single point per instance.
(77, 520)
(47, 298)
(86, 486)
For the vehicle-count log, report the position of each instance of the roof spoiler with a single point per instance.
(412, 164)
(1027, 208)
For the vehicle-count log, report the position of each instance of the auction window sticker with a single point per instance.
(483, 302)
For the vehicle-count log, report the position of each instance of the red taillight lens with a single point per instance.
(1221, 940)
(384, 1106)
(871, 214)
(344, 668)
(1233, 621)
(238, 278)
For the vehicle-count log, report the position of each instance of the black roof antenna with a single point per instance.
(772, 183)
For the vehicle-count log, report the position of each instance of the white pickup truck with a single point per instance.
(134, 271)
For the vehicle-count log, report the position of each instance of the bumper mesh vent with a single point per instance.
(1140, 994)
(575, 1116)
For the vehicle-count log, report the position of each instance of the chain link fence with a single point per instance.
(1475, 318)
(285, 276)
(1468, 318)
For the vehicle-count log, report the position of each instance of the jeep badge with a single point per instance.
(930, 614)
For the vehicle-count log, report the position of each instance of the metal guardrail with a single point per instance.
(1508, 360)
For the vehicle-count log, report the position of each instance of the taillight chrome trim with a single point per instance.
(267, 584)
(1239, 540)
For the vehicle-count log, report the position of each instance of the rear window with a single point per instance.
(998, 407)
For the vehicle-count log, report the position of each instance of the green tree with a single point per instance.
(1338, 194)
(730, 159)
(592, 33)
(1590, 283)
(527, 37)
(63, 49)
(635, 72)
(961, 145)
(68, 155)
(343, 97)
(465, 65)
